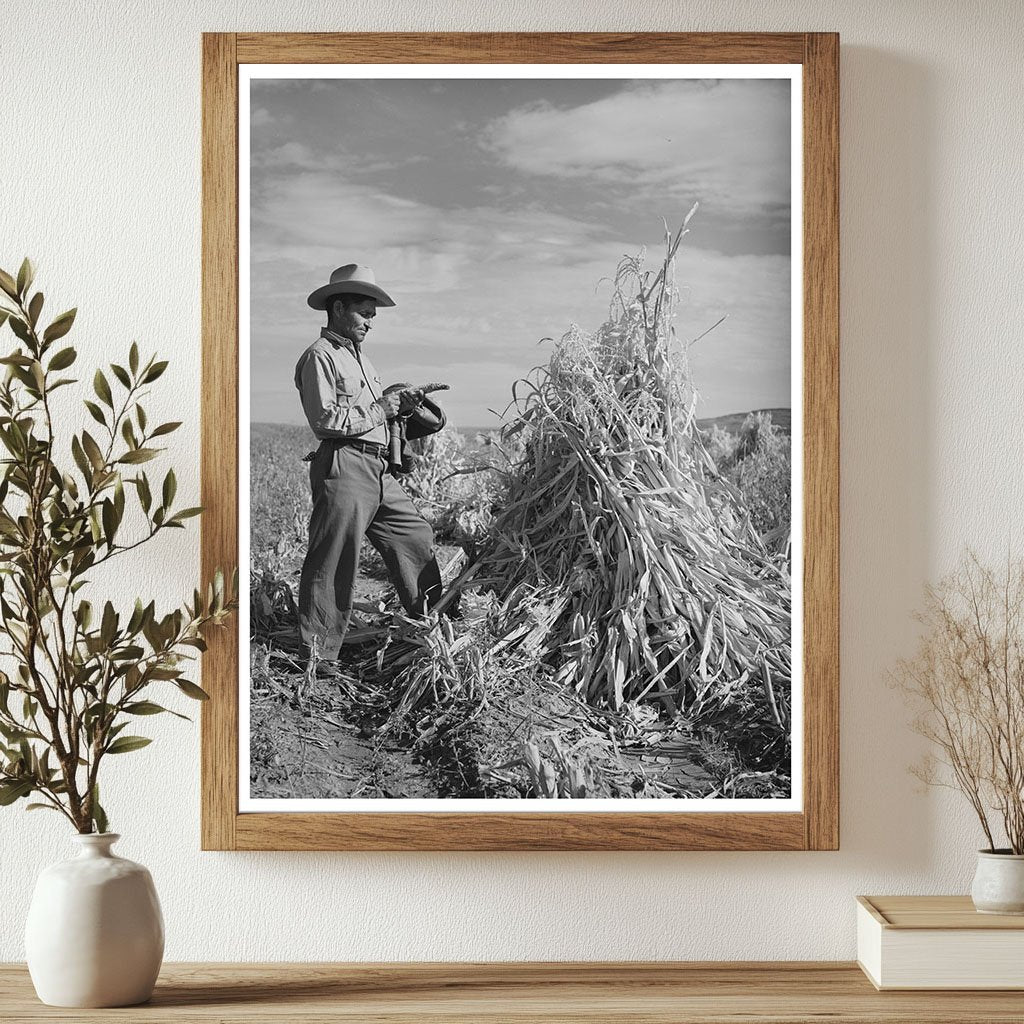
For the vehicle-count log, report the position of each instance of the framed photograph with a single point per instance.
(520, 420)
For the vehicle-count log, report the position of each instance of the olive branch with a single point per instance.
(82, 674)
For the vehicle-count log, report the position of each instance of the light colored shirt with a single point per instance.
(338, 386)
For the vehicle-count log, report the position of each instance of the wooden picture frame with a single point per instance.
(816, 826)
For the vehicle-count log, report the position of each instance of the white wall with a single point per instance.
(100, 183)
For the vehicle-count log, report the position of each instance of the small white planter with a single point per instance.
(95, 933)
(999, 882)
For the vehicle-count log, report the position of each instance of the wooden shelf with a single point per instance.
(659, 993)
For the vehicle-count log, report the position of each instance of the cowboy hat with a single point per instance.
(351, 279)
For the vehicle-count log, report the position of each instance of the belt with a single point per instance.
(364, 446)
(372, 447)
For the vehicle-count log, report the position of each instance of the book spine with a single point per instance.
(869, 945)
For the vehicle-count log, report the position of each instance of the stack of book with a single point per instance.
(938, 942)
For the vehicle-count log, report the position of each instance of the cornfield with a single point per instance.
(622, 561)
(621, 607)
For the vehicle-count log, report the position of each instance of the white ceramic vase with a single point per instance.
(999, 882)
(95, 933)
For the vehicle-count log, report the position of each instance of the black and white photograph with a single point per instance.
(520, 380)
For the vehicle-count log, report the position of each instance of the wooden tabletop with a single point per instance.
(660, 993)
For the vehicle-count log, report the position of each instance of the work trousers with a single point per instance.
(354, 496)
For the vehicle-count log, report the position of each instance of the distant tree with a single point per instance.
(763, 470)
(721, 445)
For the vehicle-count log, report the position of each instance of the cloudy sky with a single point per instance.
(494, 210)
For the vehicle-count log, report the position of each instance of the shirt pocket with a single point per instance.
(349, 388)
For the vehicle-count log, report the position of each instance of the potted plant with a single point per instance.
(967, 679)
(81, 671)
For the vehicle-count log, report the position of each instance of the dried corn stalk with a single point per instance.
(622, 562)
(622, 557)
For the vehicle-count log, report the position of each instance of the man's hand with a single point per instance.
(400, 400)
(409, 400)
(391, 404)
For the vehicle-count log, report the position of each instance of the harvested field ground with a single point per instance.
(328, 736)
(321, 737)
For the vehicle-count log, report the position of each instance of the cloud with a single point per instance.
(287, 156)
(478, 288)
(260, 117)
(292, 156)
(723, 141)
(310, 219)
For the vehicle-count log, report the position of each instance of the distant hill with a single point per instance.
(733, 421)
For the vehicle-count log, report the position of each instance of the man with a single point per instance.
(354, 495)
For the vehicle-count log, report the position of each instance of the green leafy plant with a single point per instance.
(82, 671)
